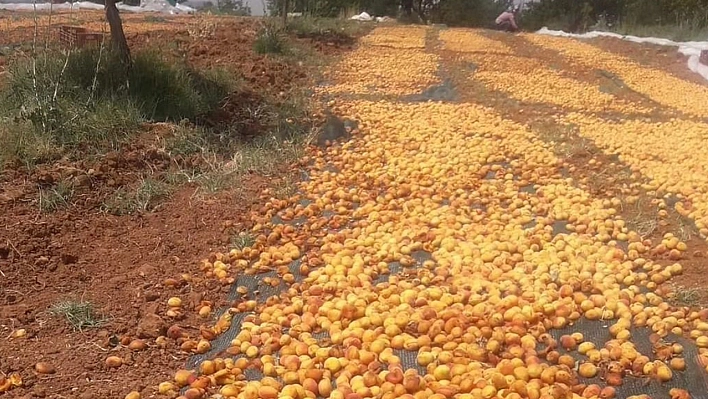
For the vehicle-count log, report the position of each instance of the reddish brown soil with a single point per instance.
(127, 266)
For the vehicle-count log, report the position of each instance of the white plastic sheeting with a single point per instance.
(160, 6)
(364, 16)
(690, 49)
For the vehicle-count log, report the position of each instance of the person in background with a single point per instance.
(506, 21)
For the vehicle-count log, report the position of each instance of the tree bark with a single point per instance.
(421, 13)
(285, 14)
(117, 33)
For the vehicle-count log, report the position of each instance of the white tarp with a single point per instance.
(363, 17)
(160, 6)
(690, 49)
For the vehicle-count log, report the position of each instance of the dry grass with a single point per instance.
(686, 297)
(642, 217)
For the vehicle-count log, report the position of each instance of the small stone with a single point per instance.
(151, 326)
(151, 296)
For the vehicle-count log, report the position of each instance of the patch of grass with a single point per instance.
(79, 314)
(153, 19)
(285, 188)
(186, 140)
(216, 180)
(21, 143)
(552, 135)
(270, 40)
(56, 197)
(566, 142)
(266, 155)
(183, 176)
(686, 297)
(684, 228)
(578, 147)
(146, 197)
(642, 217)
(87, 99)
(242, 240)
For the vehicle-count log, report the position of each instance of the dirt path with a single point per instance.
(515, 237)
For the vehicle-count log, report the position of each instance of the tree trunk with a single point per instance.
(420, 12)
(117, 34)
(285, 14)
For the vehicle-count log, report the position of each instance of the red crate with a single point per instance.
(75, 36)
(704, 57)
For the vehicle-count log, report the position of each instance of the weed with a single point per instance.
(183, 176)
(684, 228)
(79, 314)
(55, 197)
(216, 180)
(242, 240)
(686, 297)
(642, 218)
(265, 155)
(285, 188)
(270, 40)
(186, 140)
(579, 147)
(146, 197)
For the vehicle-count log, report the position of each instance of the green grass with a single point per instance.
(270, 40)
(22, 144)
(79, 314)
(242, 240)
(56, 197)
(54, 104)
(187, 140)
(144, 198)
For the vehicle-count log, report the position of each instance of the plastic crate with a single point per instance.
(74, 36)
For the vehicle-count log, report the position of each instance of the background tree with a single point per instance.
(576, 16)
(120, 43)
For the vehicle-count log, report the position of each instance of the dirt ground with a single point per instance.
(126, 266)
